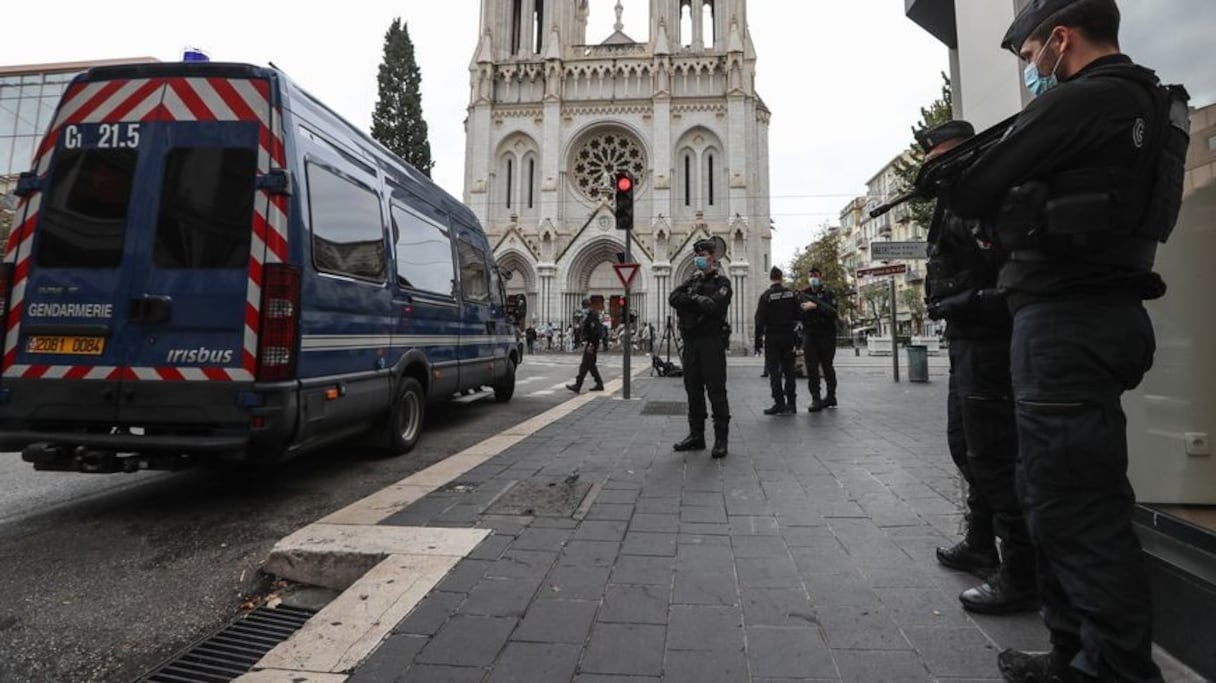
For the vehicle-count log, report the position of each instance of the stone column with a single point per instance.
(546, 273)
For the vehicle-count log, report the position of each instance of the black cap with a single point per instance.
(950, 130)
(776, 274)
(706, 245)
(1031, 17)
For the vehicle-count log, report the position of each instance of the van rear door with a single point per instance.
(145, 261)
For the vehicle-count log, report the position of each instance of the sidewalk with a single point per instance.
(807, 555)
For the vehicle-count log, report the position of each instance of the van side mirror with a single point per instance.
(277, 182)
(27, 184)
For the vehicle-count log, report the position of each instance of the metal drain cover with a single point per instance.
(538, 499)
(230, 653)
(665, 408)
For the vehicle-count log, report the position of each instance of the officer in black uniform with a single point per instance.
(776, 314)
(591, 331)
(1080, 191)
(981, 428)
(819, 339)
(702, 304)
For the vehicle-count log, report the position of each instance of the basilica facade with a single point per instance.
(553, 116)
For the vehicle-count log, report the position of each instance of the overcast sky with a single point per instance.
(845, 80)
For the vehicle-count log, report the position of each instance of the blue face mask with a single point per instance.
(1037, 83)
(701, 262)
(815, 282)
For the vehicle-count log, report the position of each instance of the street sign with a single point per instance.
(626, 272)
(898, 251)
(879, 271)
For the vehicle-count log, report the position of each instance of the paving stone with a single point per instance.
(468, 641)
(643, 570)
(767, 572)
(390, 660)
(703, 515)
(955, 652)
(464, 576)
(695, 529)
(643, 543)
(635, 605)
(759, 546)
(754, 526)
(809, 537)
(600, 678)
(705, 589)
(443, 674)
(617, 496)
(646, 522)
(557, 621)
(511, 526)
(548, 540)
(695, 627)
(702, 499)
(861, 628)
(522, 564)
(600, 530)
(492, 547)
(553, 523)
(658, 506)
(574, 582)
(430, 613)
(536, 663)
(828, 558)
(869, 666)
(777, 607)
(606, 651)
(702, 667)
(612, 512)
(707, 540)
(501, 597)
(839, 590)
(788, 653)
(927, 607)
(589, 554)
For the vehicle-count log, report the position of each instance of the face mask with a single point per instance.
(1037, 83)
(701, 262)
(815, 282)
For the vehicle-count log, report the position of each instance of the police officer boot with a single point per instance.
(791, 407)
(576, 387)
(695, 441)
(777, 408)
(816, 403)
(975, 554)
(721, 432)
(1041, 667)
(1002, 593)
(830, 400)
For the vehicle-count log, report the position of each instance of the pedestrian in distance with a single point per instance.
(702, 303)
(776, 314)
(819, 340)
(591, 331)
(530, 336)
(1080, 191)
(981, 430)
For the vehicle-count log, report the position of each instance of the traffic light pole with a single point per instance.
(628, 332)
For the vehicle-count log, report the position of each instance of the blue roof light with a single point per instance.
(192, 54)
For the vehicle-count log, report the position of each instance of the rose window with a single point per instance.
(601, 157)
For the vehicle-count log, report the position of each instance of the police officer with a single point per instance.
(819, 339)
(981, 429)
(702, 304)
(591, 330)
(1081, 190)
(776, 314)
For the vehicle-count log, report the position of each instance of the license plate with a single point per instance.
(66, 346)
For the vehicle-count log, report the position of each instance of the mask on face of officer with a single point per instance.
(701, 262)
(816, 282)
(1036, 82)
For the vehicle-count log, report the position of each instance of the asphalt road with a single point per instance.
(104, 576)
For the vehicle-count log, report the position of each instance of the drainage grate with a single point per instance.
(665, 408)
(233, 651)
(538, 499)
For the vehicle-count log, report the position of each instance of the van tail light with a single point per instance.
(279, 337)
(6, 291)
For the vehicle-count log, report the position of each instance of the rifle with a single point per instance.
(945, 168)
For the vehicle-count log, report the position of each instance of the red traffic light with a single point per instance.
(624, 184)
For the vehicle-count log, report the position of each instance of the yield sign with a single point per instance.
(626, 272)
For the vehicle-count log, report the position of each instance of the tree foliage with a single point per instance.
(937, 113)
(397, 120)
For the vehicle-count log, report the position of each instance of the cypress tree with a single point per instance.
(397, 120)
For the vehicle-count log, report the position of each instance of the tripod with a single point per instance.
(669, 335)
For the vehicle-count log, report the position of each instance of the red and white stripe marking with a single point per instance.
(162, 100)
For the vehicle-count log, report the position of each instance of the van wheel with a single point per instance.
(505, 389)
(405, 417)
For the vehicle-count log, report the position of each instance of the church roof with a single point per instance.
(619, 38)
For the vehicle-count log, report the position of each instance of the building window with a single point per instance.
(601, 157)
(206, 208)
(1212, 144)
(687, 180)
(708, 26)
(84, 223)
(510, 180)
(686, 24)
(538, 26)
(517, 24)
(710, 188)
(531, 182)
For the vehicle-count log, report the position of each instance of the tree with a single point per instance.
(941, 111)
(914, 301)
(397, 120)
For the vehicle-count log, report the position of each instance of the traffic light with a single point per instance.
(624, 201)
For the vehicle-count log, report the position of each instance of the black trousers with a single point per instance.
(819, 349)
(590, 355)
(980, 377)
(1071, 362)
(705, 373)
(979, 512)
(779, 363)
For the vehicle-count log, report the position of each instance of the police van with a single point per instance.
(209, 263)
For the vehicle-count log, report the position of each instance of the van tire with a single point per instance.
(505, 389)
(405, 417)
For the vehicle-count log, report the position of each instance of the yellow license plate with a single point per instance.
(66, 346)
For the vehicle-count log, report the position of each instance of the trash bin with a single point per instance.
(918, 363)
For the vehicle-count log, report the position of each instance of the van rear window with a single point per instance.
(84, 221)
(206, 208)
